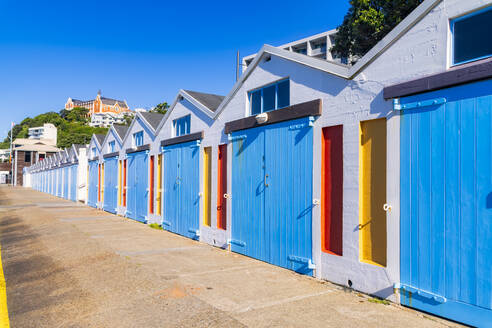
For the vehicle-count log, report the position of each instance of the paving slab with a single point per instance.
(87, 268)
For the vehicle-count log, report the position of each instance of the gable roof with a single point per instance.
(100, 138)
(206, 102)
(109, 101)
(211, 101)
(120, 130)
(334, 68)
(153, 119)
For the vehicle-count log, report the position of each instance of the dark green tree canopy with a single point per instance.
(160, 108)
(72, 127)
(367, 22)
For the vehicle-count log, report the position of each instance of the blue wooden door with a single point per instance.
(137, 192)
(110, 184)
(446, 203)
(73, 182)
(66, 181)
(93, 184)
(181, 189)
(52, 182)
(59, 182)
(272, 194)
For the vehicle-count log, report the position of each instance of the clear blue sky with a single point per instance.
(142, 51)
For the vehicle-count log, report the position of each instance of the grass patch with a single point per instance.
(379, 301)
(155, 226)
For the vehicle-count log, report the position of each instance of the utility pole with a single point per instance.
(11, 157)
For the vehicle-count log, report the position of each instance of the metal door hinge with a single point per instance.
(420, 292)
(299, 259)
(196, 232)
(234, 138)
(418, 104)
(236, 242)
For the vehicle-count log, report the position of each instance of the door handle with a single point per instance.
(219, 208)
(265, 180)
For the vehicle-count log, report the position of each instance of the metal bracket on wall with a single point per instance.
(234, 138)
(420, 292)
(196, 232)
(397, 106)
(166, 223)
(304, 260)
(236, 242)
(197, 144)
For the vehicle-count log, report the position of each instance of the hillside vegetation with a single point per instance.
(72, 127)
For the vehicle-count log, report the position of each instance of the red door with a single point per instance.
(332, 190)
(124, 183)
(222, 188)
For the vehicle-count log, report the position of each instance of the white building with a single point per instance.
(4, 155)
(47, 131)
(316, 46)
(108, 119)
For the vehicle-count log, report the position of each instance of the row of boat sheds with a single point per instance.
(374, 175)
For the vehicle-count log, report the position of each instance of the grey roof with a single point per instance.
(120, 130)
(109, 101)
(100, 138)
(152, 118)
(210, 100)
(78, 147)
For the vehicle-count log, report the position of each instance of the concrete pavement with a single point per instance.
(68, 265)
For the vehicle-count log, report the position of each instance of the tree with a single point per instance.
(128, 119)
(76, 114)
(366, 23)
(160, 108)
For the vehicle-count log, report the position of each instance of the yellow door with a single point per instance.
(372, 181)
(207, 185)
(102, 183)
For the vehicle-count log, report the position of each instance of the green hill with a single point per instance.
(72, 127)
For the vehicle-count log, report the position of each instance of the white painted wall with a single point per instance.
(82, 176)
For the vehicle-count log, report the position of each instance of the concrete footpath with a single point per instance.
(68, 265)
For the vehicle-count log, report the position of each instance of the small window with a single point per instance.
(94, 152)
(271, 97)
(138, 139)
(182, 125)
(27, 157)
(471, 41)
(111, 146)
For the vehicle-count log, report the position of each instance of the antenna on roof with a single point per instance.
(237, 66)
